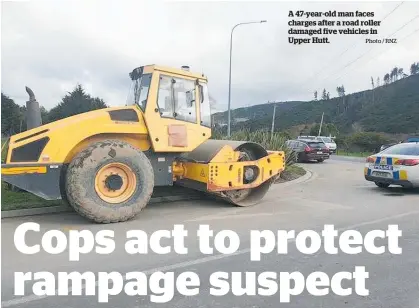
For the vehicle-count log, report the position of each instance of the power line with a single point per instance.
(362, 55)
(331, 62)
(375, 57)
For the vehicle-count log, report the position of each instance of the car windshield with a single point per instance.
(403, 149)
(316, 145)
(327, 139)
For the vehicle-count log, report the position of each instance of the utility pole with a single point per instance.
(229, 73)
(373, 89)
(321, 124)
(273, 122)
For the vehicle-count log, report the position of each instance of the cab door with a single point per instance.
(172, 113)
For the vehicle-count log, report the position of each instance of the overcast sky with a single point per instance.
(52, 46)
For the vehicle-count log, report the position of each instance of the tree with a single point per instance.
(328, 95)
(394, 74)
(11, 116)
(387, 78)
(400, 72)
(44, 115)
(378, 81)
(315, 95)
(75, 102)
(341, 91)
(324, 94)
(414, 68)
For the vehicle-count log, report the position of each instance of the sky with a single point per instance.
(51, 46)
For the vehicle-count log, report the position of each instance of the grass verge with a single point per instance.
(354, 154)
(18, 200)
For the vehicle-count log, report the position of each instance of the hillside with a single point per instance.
(392, 108)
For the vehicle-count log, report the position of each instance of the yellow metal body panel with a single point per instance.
(177, 71)
(68, 136)
(225, 155)
(225, 175)
(229, 176)
(139, 141)
(22, 170)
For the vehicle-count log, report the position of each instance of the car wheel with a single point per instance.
(320, 160)
(299, 158)
(382, 185)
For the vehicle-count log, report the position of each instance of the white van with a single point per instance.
(330, 143)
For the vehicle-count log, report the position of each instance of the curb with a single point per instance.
(36, 211)
(309, 174)
(66, 209)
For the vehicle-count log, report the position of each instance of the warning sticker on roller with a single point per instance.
(202, 173)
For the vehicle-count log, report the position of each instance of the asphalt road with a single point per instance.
(335, 194)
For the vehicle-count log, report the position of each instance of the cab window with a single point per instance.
(139, 94)
(177, 98)
(205, 105)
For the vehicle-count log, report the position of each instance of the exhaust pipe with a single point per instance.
(33, 112)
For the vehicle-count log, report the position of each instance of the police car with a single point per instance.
(398, 165)
(410, 139)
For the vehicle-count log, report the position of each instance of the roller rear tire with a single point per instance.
(110, 181)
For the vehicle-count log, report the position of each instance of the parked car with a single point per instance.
(328, 141)
(398, 165)
(307, 150)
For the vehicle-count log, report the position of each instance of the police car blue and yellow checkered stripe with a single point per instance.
(400, 175)
(385, 160)
(390, 161)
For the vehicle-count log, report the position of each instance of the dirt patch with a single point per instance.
(291, 173)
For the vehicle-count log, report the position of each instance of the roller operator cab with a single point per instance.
(106, 163)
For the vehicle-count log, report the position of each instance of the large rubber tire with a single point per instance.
(81, 174)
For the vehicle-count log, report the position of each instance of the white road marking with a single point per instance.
(31, 298)
(233, 216)
(323, 205)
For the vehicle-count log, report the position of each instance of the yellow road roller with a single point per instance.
(106, 163)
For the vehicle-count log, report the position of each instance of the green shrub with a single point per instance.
(4, 144)
(366, 141)
(276, 142)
